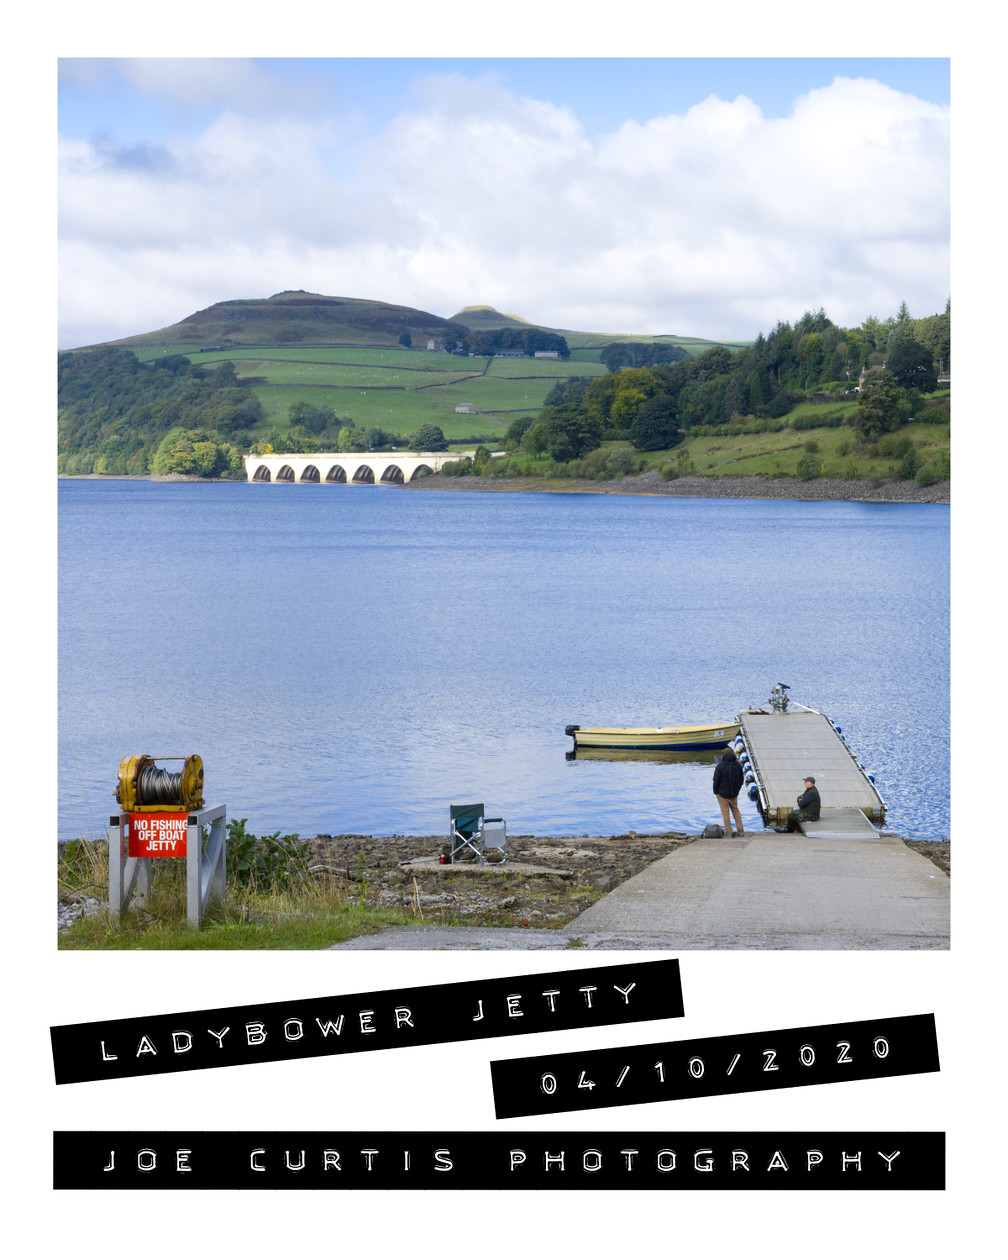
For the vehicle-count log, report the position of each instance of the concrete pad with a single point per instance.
(781, 891)
(762, 891)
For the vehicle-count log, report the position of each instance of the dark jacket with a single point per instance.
(728, 777)
(809, 803)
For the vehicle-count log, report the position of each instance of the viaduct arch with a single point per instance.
(385, 468)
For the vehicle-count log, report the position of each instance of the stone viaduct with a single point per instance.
(389, 467)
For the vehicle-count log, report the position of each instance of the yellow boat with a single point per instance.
(675, 738)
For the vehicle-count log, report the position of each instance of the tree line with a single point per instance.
(120, 416)
(896, 361)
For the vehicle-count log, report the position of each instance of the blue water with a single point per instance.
(356, 658)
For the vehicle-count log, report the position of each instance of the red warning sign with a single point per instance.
(157, 835)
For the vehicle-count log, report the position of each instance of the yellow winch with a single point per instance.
(145, 787)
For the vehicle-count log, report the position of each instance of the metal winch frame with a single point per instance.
(145, 788)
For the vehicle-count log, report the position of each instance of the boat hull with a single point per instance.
(665, 738)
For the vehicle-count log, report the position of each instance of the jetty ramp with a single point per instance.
(770, 890)
(777, 750)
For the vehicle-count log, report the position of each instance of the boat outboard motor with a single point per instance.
(778, 698)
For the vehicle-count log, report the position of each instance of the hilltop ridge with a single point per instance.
(299, 317)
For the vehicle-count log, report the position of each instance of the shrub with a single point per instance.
(620, 462)
(264, 862)
(463, 467)
(809, 467)
(909, 464)
(926, 475)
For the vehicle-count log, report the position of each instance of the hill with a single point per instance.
(298, 318)
(480, 318)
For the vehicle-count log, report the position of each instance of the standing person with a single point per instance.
(808, 805)
(728, 778)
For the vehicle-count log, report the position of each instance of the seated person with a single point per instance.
(808, 806)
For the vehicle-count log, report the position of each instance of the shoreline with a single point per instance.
(821, 489)
(545, 881)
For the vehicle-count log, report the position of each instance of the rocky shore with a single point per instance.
(546, 881)
(652, 483)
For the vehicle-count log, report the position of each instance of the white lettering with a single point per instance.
(777, 1161)
(666, 1161)
(889, 1159)
(260, 1150)
(146, 1046)
(554, 1159)
(146, 1160)
(513, 1008)
(550, 995)
(366, 1025)
(740, 1159)
(329, 1027)
(109, 1058)
(330, 1159)
(403, 1015)
(443, 1162)
(588, 990)
(516, 1157)
(182, 1161)
(626, 991)
(255, 1033)
(707, 1165)
(179, 1045)
(629, 1152)
(294, 1167)
(293, 1029)
(813, 1159)
(111, 1164)
(595, 1163)
(219, 1036)
(854, 1159)
(479, 1013)
(369, 1153)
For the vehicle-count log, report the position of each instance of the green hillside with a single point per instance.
(480, 318)
(304, 372)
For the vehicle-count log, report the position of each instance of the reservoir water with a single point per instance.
(356, 658)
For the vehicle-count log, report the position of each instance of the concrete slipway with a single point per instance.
(764, 890)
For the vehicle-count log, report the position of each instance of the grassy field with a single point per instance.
(778, 454)
(397, 389)
(392, 388)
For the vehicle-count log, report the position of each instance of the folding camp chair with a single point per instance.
(474, 838)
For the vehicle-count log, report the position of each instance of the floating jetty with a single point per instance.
(778, 749)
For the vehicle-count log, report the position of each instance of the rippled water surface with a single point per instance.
(355, 658)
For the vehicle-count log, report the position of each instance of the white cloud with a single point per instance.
(717, 222)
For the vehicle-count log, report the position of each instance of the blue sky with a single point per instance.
(95, 95)
(692, 195)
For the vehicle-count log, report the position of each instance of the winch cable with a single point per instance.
(160, 787)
